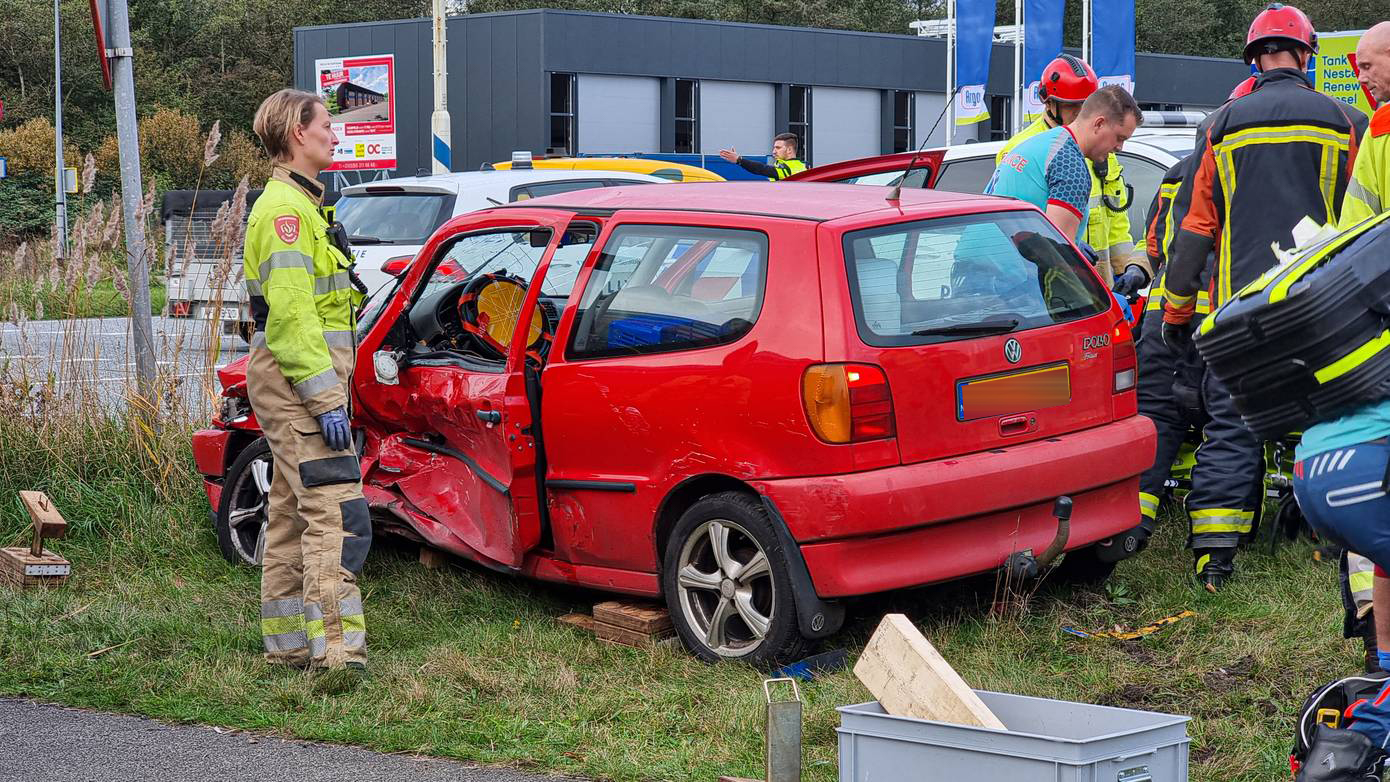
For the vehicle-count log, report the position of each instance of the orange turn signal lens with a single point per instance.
(848, 403)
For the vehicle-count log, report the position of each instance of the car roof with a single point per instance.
(797, 200)
(460, 182)
(1145, 143)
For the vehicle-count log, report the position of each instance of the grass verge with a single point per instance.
(102, 300)
(472, 665)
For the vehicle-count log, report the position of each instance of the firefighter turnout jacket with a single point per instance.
(1369, 188)
(1266, 161)
(1105, 228)
(318, 526)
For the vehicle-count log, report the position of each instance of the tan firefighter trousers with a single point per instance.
(319, 528)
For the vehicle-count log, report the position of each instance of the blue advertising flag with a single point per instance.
(1042, 42)
(1112, 42)
(974, 40)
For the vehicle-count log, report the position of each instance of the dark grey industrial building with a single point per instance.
(610, 83)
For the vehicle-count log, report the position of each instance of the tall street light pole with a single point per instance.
(60, 175)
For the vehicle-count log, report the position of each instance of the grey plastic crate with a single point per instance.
(1047, 741)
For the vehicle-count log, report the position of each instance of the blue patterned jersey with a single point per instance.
(1046, 169)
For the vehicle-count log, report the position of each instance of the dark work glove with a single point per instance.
(1340, 756)
(333, 425)
(1129, 283)
(1089, 251)
(1177, 336)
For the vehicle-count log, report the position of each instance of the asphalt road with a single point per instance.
(94, 355)
(45, 743)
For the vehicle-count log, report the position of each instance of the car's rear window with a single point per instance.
(960, 277)
(394, 218)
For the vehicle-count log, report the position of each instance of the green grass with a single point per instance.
(472, 665)
(98, 301)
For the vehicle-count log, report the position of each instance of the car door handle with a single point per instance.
(490, 416)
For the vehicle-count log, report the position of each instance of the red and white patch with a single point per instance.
(287, 228)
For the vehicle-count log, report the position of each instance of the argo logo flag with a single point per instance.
(974, 41)
(1042, 42)
(1112, 42)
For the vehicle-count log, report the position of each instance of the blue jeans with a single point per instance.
(1342, 493)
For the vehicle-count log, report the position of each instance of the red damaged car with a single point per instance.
(752, 400)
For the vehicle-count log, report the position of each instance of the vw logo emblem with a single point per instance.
(1013, 351)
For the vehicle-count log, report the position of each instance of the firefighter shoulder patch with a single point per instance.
(287, 228)
(1380, 121)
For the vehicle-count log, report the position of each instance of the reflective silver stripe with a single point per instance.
(350, 607)
(1357, 190)
(286, 259)
(258, 339)
(318, 647)
(1122, 249)
(355, 640)
(313, 613)
(337, 282)
(317, 384)
(253, 288)
(339, 339)
(285, 642)
(289, 606)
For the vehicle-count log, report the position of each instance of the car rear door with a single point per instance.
(990, 329)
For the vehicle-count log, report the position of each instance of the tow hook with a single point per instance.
(1023, 566)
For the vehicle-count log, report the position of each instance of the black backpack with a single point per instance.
(1328, 706)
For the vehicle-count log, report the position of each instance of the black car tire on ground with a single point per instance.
(241, 494)
(749, 596)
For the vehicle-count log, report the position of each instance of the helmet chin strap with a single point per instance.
(1053, 116)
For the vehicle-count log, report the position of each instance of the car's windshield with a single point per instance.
(393, 218)
(958, 277)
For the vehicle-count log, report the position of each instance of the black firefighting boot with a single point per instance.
(1215, 566)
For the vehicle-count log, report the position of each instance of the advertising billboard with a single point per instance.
(1334, 70)
(360, 93)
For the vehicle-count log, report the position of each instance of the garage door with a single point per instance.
(844, 123)
(929, 108)
(619, 114)
(736, 114)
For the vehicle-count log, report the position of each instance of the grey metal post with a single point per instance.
(127, 134)
(60, 176)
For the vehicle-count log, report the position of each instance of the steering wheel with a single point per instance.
(489, 307)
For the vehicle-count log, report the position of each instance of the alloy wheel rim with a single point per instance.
(247, 518)
(725, 587)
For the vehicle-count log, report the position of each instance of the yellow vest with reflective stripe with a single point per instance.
(786, 168)
(297, 281)
(1368, 190)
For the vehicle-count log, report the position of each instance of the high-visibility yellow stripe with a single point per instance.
(1353, 359)
(1361, 582)
(314, 627)
(1275, 135)
(1148, 504)
(1225, 165)
(1211, 529)
(1213, 513)
(1202, 562)
(354, 623)
(1296, 271)
(282, 624)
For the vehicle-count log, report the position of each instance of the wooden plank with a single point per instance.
(638, 617)
(626, 637)
(48, 522)
(433, 558)
(579, 621)
(911, 679)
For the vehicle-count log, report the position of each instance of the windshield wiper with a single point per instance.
(976, 329)
(360, 239)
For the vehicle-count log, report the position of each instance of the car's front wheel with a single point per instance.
(727, 584)
(241, 513)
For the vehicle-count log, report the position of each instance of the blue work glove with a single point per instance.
(1131, 281)
(333, 425)
(1088, 252)
(1384, 661)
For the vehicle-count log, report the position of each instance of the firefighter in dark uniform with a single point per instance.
(303, 296)
(1169, 382)
(1265, 162)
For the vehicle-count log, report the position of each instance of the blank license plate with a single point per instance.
(1016, 392)
(231, 313)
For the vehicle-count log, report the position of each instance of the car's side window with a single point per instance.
(664, 288)
(917, 177)
(966, 176)
(541, 189)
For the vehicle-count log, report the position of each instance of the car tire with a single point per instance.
(241, 511)
(1084, 566)
(727, 583)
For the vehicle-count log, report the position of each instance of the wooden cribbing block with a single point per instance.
(621, 635)
(433, 558)
(19, 568)
(911, 679)
(579, 621)
(48, 522)
(633, 616)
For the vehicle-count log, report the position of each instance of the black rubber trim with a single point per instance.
(329, 471)
(810, 608)
(426, 445)
(357, 537)
(622, 486)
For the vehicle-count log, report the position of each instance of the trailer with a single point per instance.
(203, 271)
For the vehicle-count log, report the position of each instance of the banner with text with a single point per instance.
(1112, 42)
(1334, 70)
(1042, 42)
(360, 93)
(974, 41)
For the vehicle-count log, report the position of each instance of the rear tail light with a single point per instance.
(848, 403)
(1123, 357)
